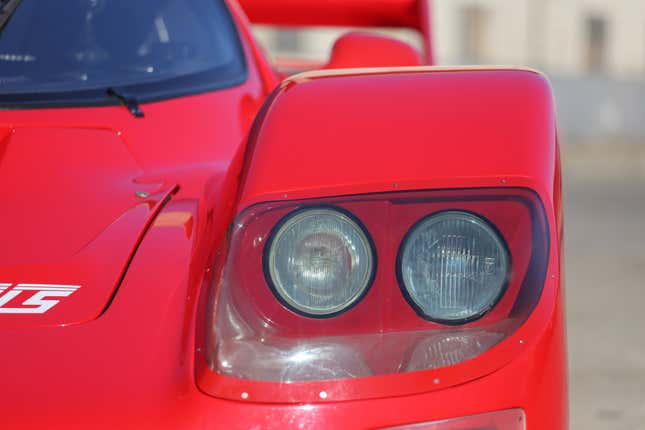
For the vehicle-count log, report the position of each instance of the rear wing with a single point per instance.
(413, 14)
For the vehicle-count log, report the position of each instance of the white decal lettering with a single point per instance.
(38, 302)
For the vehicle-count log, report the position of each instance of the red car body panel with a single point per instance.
(413, 14)
(97, 220)
(139, 221)
(501, 141)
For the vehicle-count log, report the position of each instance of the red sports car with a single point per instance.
(190, 242)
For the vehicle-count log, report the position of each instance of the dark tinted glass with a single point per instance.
(71, 51)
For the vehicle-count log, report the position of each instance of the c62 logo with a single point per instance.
(37, 297)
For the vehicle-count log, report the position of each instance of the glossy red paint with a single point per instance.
(355, 49)
(452, 129)
(413, 14)
(356, 13)
(509, 141)
(66, 231)
(129, 355)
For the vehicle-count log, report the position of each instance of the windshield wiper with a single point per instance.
(128, 101)
(7, 8)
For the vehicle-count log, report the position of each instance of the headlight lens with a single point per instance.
(319, 262)
(261, 349)
(453, 267)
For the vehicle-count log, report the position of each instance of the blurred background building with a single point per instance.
(592, 50)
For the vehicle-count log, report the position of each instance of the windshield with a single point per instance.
(71, 51)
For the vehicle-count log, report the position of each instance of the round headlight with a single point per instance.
(319, 262)
(453, 267)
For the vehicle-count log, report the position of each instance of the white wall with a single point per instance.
(549, 34)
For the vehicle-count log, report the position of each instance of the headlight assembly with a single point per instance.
(319, 261)
(453, 267)
(300, 300)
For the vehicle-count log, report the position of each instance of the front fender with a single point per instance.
(354, 132)
(378, 130)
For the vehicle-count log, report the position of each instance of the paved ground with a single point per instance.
(605, 263)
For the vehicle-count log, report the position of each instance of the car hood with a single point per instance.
(73, 213)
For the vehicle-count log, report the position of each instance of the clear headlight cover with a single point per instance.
(298, 301)
(319, 262)
(454, 267)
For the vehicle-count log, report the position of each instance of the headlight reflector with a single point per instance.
(319, 261)
(453, 266)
